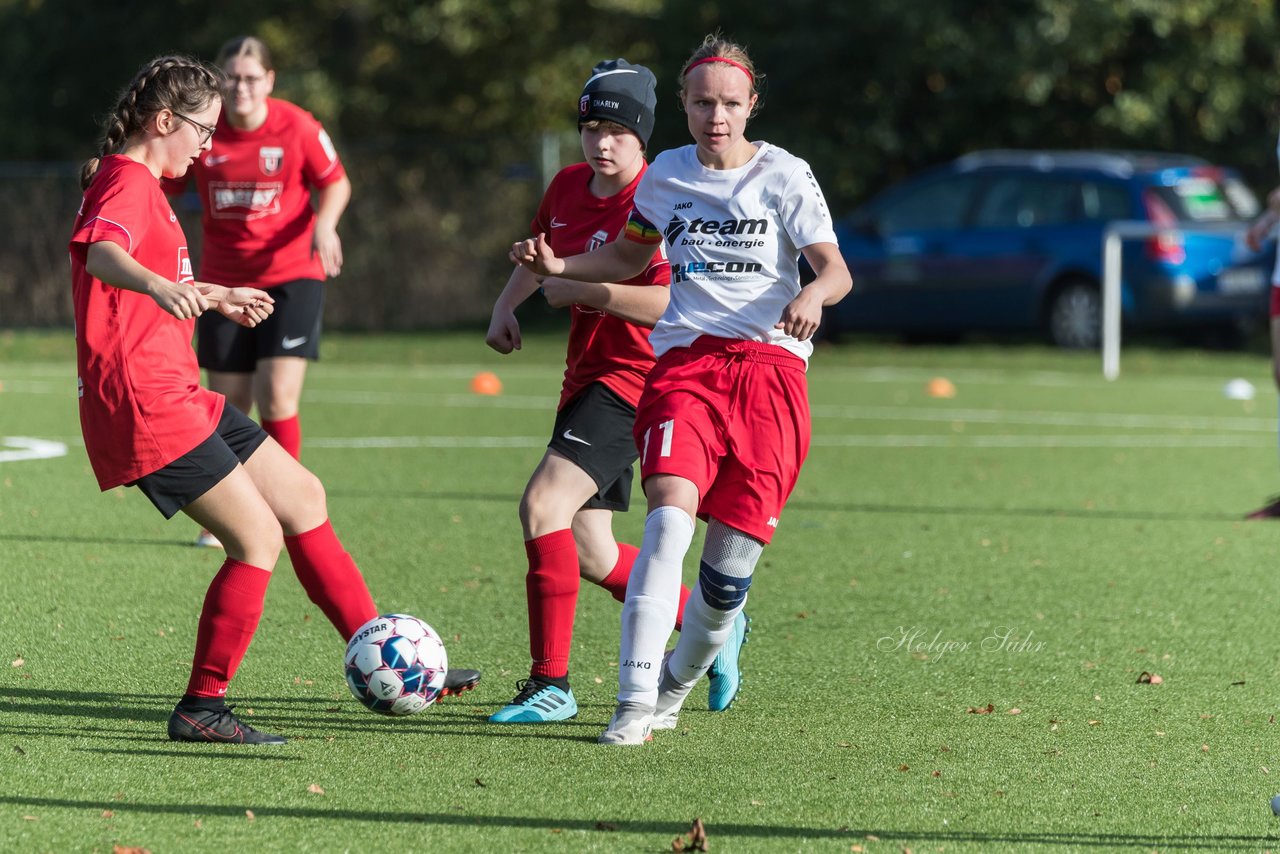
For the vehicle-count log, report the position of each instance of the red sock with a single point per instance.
(331, 578)
(288, 432)
(552, 590)
(616, 581)
(230, 615)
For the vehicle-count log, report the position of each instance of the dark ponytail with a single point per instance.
(176, 83)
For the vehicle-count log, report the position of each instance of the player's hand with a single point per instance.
(1260, 230)
(326, 244)
(802, 315)
(246, 306)
(179, 299)
(536, 254)
(560, 293)
(504, 332)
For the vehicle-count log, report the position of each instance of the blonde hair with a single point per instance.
(716, 45)
(177, 83)
(246, 46)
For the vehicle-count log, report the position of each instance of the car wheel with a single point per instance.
(1075, 316)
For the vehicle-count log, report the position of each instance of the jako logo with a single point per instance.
(681, 272)
(677, 226)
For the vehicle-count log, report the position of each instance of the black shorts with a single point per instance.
(593, 431)
(293, 329)
(194, 473)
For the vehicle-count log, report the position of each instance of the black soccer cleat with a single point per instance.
(219, 726)
(458, 681)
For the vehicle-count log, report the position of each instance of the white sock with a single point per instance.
(653, 597)
(703, 633)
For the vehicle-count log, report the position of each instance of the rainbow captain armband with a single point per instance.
(640, 230)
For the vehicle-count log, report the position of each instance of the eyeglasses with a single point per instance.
(206, 132)
(251, 81)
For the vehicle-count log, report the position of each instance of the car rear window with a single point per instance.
(1202, 198)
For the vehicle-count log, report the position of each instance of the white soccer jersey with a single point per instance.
(734, 238)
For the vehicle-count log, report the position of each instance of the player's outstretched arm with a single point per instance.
(638, 304)
(109, 263)
(504, 329)
(613, 262)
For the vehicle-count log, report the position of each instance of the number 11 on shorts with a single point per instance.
(667, 427)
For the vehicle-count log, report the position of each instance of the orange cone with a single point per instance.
(486, 382)
(940, 387)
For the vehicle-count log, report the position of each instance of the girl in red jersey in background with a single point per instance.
(261, 230)
(146, 420)
(585, 475)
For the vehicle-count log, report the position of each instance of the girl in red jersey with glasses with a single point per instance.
(145, 418)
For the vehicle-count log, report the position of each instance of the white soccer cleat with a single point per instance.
(207, 540)
(671, 696)
(629, 725)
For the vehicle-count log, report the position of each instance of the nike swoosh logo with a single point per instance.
(291, 343)
(215, 159)
(568, 434)
(555, 224)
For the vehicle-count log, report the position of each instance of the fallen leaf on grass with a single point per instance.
(904, 767)
(18, 662)
(129, 849)
(694, 840)
(249, 815)
(1145, 678)
(1204, 748)
(108, 814)
(1095, 723)
(315, 789)
(30, 818)
(1014, 712)
(981, 710)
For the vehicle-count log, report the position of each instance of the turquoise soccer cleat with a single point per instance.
(537, 703)
(725, 674)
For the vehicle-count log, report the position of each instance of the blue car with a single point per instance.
(1011, 241)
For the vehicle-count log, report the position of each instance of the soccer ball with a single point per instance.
(395, 664)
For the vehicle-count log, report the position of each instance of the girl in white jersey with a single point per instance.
(723, 424)
(1262, 230)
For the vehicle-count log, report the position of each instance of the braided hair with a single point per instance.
(176, 83)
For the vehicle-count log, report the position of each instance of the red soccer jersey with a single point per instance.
(141, 404)
(255, 195)
(602, 348)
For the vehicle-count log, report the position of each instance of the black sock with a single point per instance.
(561, 682)
(211, 704)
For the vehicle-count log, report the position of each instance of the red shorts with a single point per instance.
(733, 417)
(1275, 300)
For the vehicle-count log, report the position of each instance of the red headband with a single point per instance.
(725, 60)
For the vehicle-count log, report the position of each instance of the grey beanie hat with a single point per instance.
(622, 93)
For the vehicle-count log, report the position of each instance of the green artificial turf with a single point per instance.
(948, 630)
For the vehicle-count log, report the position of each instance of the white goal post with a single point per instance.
(1112, 237)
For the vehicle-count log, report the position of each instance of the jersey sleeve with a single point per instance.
(541, 223)
(805, 215)
(321, 165)
(640, 230)
(116, 213)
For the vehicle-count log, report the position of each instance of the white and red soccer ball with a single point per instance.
(395, 664)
